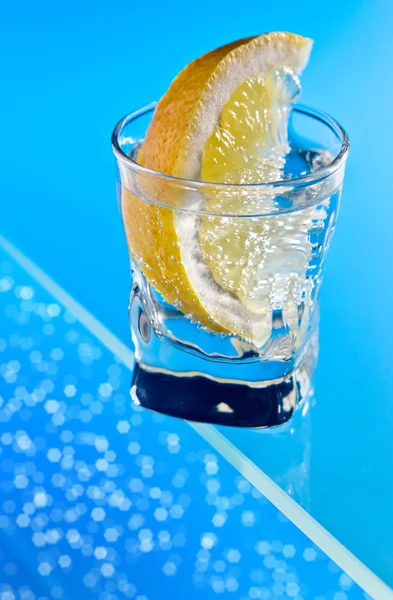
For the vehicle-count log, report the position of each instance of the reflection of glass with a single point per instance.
(265, 328)
(282, 453)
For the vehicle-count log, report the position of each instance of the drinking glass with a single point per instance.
(252, 366)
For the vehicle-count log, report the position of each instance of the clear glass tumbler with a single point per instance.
(224, 303)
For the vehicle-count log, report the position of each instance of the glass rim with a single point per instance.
(302, 181)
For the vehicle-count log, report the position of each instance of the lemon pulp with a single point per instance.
(223, 119)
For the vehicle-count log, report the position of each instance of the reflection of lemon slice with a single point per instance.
(223, 119)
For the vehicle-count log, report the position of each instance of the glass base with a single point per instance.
(173, 379)
(198, 398)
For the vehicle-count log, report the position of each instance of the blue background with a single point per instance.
(73, 69)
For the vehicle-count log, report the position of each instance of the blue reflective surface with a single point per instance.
(73, 69)
(103, 499)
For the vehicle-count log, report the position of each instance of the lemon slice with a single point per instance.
(223, 119)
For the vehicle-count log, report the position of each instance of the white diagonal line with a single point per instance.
(361, 574)
(91, 323)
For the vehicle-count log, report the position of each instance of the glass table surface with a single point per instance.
(100, 498)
